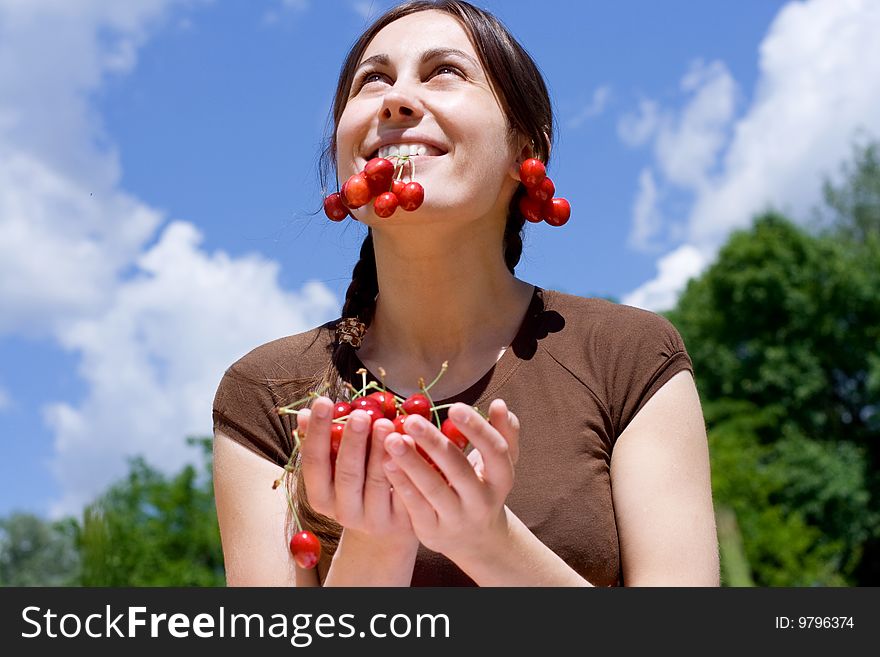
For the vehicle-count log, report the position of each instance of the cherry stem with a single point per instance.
(443, 369)
(287, 408)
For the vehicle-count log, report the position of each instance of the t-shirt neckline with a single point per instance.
(500, 371)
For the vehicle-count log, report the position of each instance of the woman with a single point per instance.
(591, 405)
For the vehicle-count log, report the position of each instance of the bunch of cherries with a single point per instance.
(539, 204)
(381, 181)
(380, 403)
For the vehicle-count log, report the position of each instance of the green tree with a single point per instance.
(37, 552)
(784, 332)
(153, 530)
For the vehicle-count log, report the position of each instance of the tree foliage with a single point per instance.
(784, 332)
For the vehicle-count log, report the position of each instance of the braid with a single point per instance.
(359, 302)
(364, 286)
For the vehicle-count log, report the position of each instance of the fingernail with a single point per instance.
(391, 465)
(415, 426)
(321, 412)
(396, 446)
(460, 415)
(359, 422)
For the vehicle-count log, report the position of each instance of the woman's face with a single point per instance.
(420, 84)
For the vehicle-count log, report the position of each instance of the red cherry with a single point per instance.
(379, 173)
(417, 404)
(412, 196)
(451, 431)
(532, 172)
(397, 187)
(356, 191)
(531, 209)
(371, 406)
(544, 191)
(557, 211)
(398, 424)
(336, 429)
(334, 207)
(306, 549)
(386, 402)
(385, 204)
(341, 409)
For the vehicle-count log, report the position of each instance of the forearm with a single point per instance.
(516, 557)
(362, 561)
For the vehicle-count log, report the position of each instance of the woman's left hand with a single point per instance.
(465, 516)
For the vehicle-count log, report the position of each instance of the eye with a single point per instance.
(446, 69)
(366, 78)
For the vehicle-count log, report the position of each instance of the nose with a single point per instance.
(399, 104)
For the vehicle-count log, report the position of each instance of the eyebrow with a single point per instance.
(432, 53)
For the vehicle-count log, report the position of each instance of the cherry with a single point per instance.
(341, 409)
(543, 191)
(336, 429)
(306, 549)
(412, 196)
(371, 406)
(356, 191)
(452, 432)
(385, 204)
(557, 211)
(334, 207)
(379, 173)
(532, 172)
(417, 404)
(386, 402)
(531, 209)
(397, 187)
(398, 423)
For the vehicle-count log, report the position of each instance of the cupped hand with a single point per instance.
(465, 515)
(358, 496)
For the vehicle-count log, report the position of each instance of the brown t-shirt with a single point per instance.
(577, 372)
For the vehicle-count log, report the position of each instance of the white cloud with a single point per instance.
(818, 87)
(687, 148)
(154, 328)
(597, 105)
(673, 272)
(634, 129)
(647, 220)
(152, 362)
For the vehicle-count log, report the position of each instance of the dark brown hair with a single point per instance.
(523, 95)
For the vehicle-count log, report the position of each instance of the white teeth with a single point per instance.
(403, 150)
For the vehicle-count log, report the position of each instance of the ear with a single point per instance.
(525, 150)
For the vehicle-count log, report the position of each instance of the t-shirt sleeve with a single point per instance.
(651, 351)
(244, 410)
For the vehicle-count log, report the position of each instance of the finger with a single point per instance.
(350, 467)
(497, 462)
(315, 450)
(421, 514)
(451, 461)
(507, 425)
(377, 488)
(430, 483)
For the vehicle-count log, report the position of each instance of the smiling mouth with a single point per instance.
(407, 150)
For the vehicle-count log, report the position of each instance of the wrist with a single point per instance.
(489, 546)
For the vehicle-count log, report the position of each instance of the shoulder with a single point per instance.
(623, 353)
(288, 357)
(607, 327)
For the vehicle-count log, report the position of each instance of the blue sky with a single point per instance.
(158, 179)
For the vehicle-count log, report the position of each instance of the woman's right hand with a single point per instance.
(359, 496)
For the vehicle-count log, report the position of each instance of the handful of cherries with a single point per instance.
(539, 204)
(382, 180)
(380, 403)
